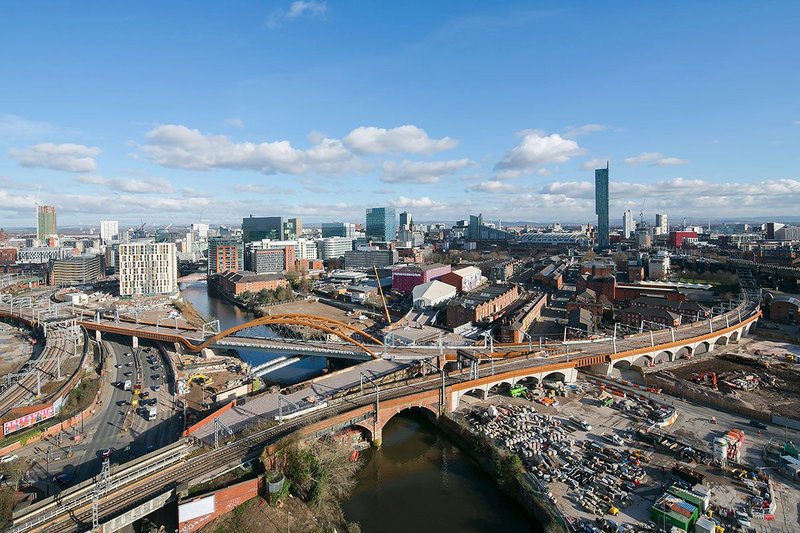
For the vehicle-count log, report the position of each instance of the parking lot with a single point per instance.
(587, 451)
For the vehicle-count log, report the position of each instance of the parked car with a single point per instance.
(758, 424)
(8, 458)
(63, 479)
(107, 452)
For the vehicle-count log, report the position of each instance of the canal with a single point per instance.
(418, 480)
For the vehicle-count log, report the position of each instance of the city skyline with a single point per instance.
(483, 110)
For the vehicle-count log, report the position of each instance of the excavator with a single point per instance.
(709, 377)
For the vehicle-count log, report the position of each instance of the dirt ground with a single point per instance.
(257, 516)
(311, 307)
(15, 348)
(779, 391)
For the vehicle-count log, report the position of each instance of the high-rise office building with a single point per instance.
(45, 221)
(381, 223)
(601, 205)
(108, 230)
(201, 230)
(292, 228)
(225, 253)
(406, 222)
(147, 268)
(338, 229)
(662, 226)
(628, 224)
(258, 228)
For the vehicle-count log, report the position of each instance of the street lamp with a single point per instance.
(159, 321)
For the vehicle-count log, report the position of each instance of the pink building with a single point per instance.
(406, 278)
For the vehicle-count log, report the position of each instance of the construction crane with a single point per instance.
(383, 298)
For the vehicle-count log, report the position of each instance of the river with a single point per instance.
(417, 481)
(214, 307)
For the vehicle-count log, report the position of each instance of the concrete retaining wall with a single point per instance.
(706, 397)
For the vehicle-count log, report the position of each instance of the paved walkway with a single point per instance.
(265, 407)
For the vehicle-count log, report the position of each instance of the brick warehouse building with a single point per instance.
(486, 303)
(406, 278)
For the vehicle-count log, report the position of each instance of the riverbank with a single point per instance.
(507, 472)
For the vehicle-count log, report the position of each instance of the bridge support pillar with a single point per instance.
(134, 342)
(571, 375)
(98, 335)
(377, 437)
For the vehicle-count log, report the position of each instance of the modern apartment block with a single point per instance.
(75, 270)
(662, 226)
(147, 268)
(292, 228)
(628, 224)
(601, 205)
(271, 260)
(108, 230)
(225, 254)
(45, 222)
(381, 224)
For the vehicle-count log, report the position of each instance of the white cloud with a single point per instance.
(67, 157)
(654, 159)
(594, 163)
(537, 149)
(494, 186)
(403, 139)
(575, 189)
(313, 7)
(16, 126)
(130, 185)
(260, 189)
(416, 203)
(421, 171)
(573, 132)
(297, 9)
(181, 147)
(235, 123)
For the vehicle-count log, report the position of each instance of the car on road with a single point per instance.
(154, 368)
(156, 376)
(144, 394)
(128, 374)
(156, 388)
(758, 424)
(118, 365)
(108, 452)
(129, 363)
(8, 458)
(128, 354)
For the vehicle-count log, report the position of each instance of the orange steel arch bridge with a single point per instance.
(344, 331)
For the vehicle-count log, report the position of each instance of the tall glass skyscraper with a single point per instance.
(601, 205)
(381, 223)
(45, 221)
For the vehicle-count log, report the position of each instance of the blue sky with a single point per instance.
(166, 112)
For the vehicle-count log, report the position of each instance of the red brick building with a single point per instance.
(307, 265)
(8, 256)
(483, 304)
(784, 308)
(235, 283)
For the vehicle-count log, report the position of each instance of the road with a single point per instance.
(105, 428)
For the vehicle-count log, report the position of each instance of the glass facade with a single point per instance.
(601, 205)
(45, 221)
(258, 228)
(381, 223)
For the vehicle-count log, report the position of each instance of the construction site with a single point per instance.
(759, 375)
